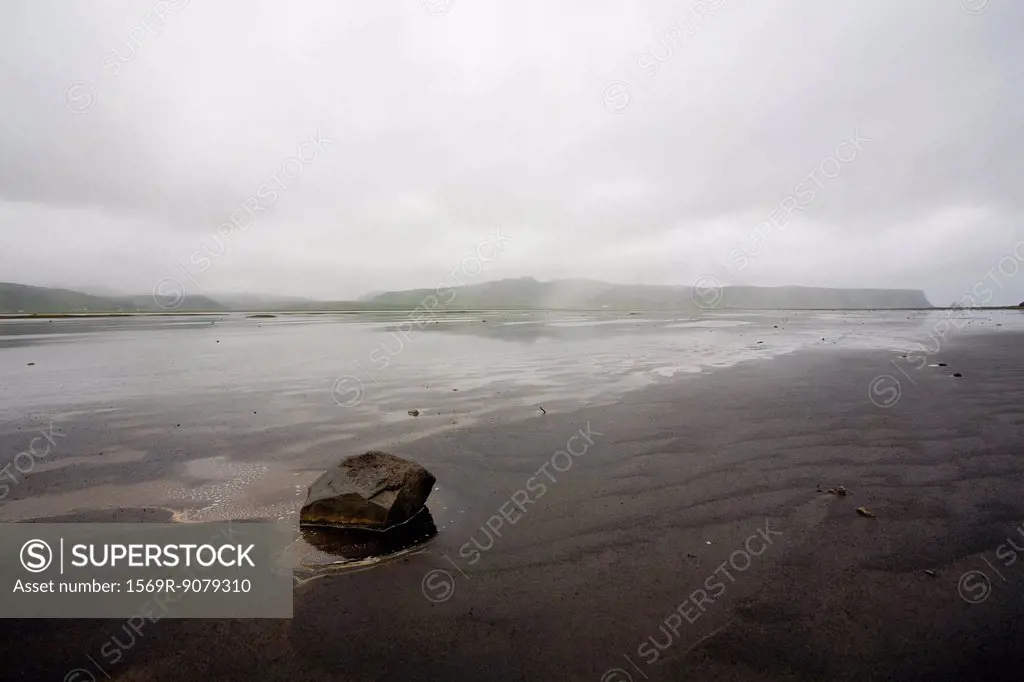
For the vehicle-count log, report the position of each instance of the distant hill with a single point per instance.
(581, 294)
(21, 298)
(24, 299)
(509, 294)
(797, 298)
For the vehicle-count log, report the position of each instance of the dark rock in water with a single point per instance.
(352, 544)
(373, 491)
(414, 413)
(942, 364)
(957, 374)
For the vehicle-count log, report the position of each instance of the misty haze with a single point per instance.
(450, 340)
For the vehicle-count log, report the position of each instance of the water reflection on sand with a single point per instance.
(225, 416)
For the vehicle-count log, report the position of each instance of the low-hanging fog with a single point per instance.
(329, 149)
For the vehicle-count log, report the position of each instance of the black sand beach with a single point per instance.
(615, 571)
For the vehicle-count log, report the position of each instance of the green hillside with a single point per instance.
(21, 298)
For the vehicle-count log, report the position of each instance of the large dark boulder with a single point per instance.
(375, 490)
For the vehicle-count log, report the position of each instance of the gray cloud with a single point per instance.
(446, 125)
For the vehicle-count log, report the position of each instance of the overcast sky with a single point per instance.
(639, 141)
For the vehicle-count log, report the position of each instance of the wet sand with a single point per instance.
(615, 572)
